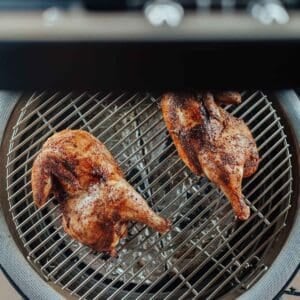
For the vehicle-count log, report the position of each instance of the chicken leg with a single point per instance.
(96, 201)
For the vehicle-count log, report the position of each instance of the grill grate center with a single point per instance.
(207, 254)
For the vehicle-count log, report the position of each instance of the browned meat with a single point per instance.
(96, 201)
(228, 97)
(211, 141)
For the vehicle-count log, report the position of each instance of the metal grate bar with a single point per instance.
(180, 260)
(43, 138)
(234, 247)
(67, 246)
(38, 222)
(136, 139)
(223, 267)
(154, 233)
(267, 228)
(262, 120)
(79, 248)
(176, 271)
(150, 186)
(26, 152)
(246, 102)
(166, 184)
(249, 259)
(19, 191)
(253, 178)
(135, 129)
(125, 271)
(15, 148)
(190, 199)
(44, 104)
(220, 222)
(57, 125)
(266, 118)
(17, 135)
(39, 233)
(118, 109)
(131, 180)
(141, 148)
(274, 123)
(191, 224)
(133, 108)
(269, 150)
(258, 114)
(265, 155)
(34, 155)
(81, 271)
(151, 246)
(14, 206)
(247, 248)
(99, 104)
(29, 206)
(77, 110)
(189, 251)
(82, 247)
(41, 128)
(47, 240)
(252, 108)
(132, 238)
(42, 231)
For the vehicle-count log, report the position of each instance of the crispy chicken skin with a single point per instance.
(213, 143)
(96, 201)
(228, 97)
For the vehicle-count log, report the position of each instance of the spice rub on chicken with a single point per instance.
(211, 142)
(96, 201)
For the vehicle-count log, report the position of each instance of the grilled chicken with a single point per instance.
(96, 201)
(213, 143)
(228, 97)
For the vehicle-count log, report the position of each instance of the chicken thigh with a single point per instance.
(213, 143)
(96, 201)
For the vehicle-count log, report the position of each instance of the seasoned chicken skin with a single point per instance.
(228, 97)
(96, 201)
(213, 143)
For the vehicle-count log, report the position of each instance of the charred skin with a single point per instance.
(212, 142)
(96, 201)
(228, 97)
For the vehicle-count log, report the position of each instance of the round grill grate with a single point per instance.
(207, 254)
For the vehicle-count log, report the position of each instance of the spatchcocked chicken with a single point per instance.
(96, 201)
(212, 142)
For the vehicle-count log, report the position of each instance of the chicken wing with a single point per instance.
(213, 143)
(96, 201)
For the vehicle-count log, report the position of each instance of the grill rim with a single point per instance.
(6, 120)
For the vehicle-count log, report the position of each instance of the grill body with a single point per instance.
(207, 254)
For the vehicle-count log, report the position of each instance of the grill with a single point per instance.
(207, 254)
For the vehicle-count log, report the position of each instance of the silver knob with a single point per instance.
(268, 12)
(164, 12)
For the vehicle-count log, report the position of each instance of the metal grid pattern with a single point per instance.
(207, 254)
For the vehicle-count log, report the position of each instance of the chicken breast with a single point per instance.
(213, 143)
(96, 201)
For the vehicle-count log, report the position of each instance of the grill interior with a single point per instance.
(206, 255)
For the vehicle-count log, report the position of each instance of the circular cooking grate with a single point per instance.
(207, 254)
